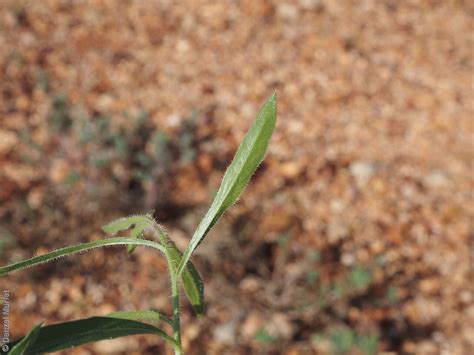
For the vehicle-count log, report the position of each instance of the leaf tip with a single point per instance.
(273, 98)
(199, 310)
(107, 229)
(272, 102)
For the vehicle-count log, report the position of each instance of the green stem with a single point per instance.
(178, 350)
(176, 316)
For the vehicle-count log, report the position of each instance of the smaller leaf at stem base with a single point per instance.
(192, 282)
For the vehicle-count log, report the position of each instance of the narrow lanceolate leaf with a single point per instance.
(76, 249)
(66, 335)
(25, 346)
(147, 315)
(249, 155)
(192, 282)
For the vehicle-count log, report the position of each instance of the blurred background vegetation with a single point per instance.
(355, 236)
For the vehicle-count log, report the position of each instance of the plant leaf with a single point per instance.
(192, 282)
(249, 155)
(147, 315)
(66, 335)
(120, 224)
(24, 346)
(124, 223)
(76, 249)
(137, 232)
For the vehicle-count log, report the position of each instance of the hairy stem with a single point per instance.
(176, 318)
(174, 289)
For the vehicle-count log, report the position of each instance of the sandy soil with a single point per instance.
(357, 229)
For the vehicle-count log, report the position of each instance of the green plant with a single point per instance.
(264, 337)
(360, 277)
(344, 340)
(60, 113)
(118, 324)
